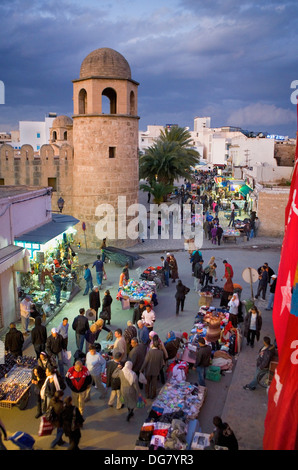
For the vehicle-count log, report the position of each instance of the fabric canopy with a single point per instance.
(59, 224)
(9, 255)
(245, 189)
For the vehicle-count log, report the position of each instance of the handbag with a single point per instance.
(45, 427)
(141, 402)
(104, 315)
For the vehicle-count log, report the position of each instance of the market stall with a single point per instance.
(53, 274)
(15, 381)
(155, 274)
(230, 234)
(173, 417)
(135, 291)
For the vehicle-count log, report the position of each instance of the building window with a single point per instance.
(54, 136)
(112, 152)
(65, 135)
(38, 135)
(1, 181)
(82, 101)
(38, 147)
(109, 101)
(52, 183)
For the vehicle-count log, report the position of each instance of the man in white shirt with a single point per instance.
(25, 309)
(148, 317)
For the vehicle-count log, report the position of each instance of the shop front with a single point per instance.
(52, 275)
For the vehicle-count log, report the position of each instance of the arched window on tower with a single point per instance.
(82, 101)
(65, 135)
(132, 104)
(54, 136)
(109, 105)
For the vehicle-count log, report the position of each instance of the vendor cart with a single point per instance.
(16, 383)
(230, 235)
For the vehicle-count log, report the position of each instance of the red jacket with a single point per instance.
(228, 271)
(78, 381)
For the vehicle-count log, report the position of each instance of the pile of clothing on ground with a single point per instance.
(167, 424)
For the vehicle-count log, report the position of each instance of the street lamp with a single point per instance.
(60, 204)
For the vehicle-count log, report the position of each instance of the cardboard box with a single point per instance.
(200, 441)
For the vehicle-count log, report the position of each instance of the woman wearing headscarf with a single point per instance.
(227, 292)
(172, 345)
(173, 268)
(129, 388)
(233, 310)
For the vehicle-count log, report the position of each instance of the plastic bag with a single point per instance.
(142, 378)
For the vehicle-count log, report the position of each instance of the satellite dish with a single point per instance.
(91, 314)
(250, 275)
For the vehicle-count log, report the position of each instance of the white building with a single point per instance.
(148, 137)
(21, 209)
(26, 224)
(35, 133)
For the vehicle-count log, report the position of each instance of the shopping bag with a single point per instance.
(141, 402)
(142, 378)
(45, 427)
(66, 357)
(105, 277)
(23, 440)
(125, 304)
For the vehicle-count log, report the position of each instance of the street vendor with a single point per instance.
(148, 317)
(122, 279)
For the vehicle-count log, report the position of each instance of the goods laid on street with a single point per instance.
(15, 380)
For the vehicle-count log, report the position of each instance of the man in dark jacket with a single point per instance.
(54, 347)
(39, 337)
(181, 291)
(137, 313)
(14, 341)
(266, 354)
(137, 355)
(203, 360)
(94, 300)
(198, 274)
(114, 382)
(80, 325)
(263, 281)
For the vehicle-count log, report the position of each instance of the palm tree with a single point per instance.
(169, 158)
(159, 191)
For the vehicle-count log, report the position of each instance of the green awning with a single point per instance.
(245, 189)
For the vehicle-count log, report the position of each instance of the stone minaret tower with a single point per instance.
(105, 142)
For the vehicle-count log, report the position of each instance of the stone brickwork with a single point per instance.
(271, 211)
(92, 159)
(284, 154)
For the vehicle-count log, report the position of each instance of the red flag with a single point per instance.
(281, 423)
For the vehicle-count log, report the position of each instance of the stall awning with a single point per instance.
(9, 255)
(245, 190)
(59, 224)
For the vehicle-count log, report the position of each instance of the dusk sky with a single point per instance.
(230, 60)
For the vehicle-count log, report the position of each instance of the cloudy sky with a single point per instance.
(232, 60)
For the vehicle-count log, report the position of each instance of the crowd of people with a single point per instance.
(129, 371)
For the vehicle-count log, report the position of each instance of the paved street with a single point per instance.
(106, 428)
